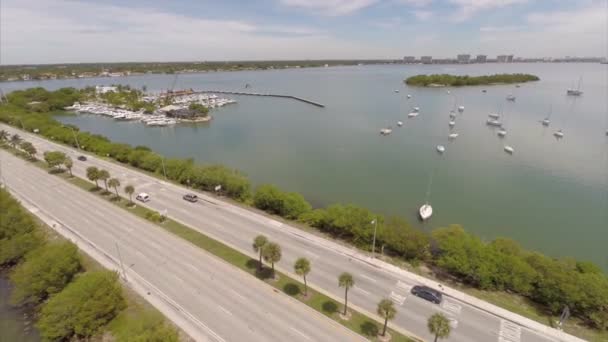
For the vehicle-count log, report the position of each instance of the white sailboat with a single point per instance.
(399, 123)
(547, 120)
(510, 97)
(559, 134)
(412, 115)
(386, 131)
(396, 90)
(416, 109)
(452, 123)
(425, 212)
(409, 96)
(494, 116)
(440, 148)
(453, 136)
(502, 132)
(577, 91)
(461, 109)
(509, 149)
(452, 114)
(493, 122)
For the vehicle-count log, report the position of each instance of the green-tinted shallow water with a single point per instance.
(550, 195)
(14, 326)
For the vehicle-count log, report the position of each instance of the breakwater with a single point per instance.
(260, 94)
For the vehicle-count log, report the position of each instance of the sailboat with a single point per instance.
(453, 136)
(509, 149)
(440, 148)
(452, 123)
(425, 212)
(559, 134)
(546, 121)
(399, 123)
(461, 109)
(502, 132)
(577, 91)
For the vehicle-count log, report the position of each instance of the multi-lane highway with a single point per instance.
(237, 227)
(232, 305)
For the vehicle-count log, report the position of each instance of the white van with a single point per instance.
(144, 197)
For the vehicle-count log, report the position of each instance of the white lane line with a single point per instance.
(404, 286)
(451, 307)
(397, 298)
(194, 268)
(361, 290)
(238, 295)
(180, 279)
(225, 310)
(367, 277)
(301, 333)
(315, 256)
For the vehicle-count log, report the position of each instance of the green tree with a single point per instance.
(258, 246)
(104, 175)
(346, 281)
(439, 325)
(114, 183)
(82, 308)
(28, 148)
(147, 327)
(130, 189)
(271, 253)
(93, 175)
(45, 271)
(3, 135)
(302, 268)
(68, 163)
(54, 158)
(386, 309)
(15, 140)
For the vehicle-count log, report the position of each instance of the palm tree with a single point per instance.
(93, 175)
(258, 245)
(15, 140)
(271, 253)
(114, 183)
(302, 267)
(68, 163)
(129, 189)
(439, 325)
(386, 309)
(104, 175)
(346, 281)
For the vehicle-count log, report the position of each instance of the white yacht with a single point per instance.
(425, 212)
(577, 91)
(491, 122)
(416, 109)
(452, 114)
(494, 116)
(546, 122)
(386, 131)
(453, 136)
(440, 148)
(399, 123)
(559, 134)
(510, 97)
(452, 123)
(509, 149)
(413, 114)
(461, 109)
(502, 132)
(396, 90)
(409, 96)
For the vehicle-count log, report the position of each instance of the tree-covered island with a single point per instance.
(445, 80)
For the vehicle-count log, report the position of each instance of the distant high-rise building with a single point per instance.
(409, 59)
(501, 58)
(426, 59)
(463, 59)
(481, 58)
(509, 58)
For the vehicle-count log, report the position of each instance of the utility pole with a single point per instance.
(124, 274)
(75, 137)
(162, 161)
(375, 223)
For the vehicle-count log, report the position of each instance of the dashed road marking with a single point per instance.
(397, 298)
(361, 290)
(301, 333)
(509, 332)
(453, 322)
(313, 255)
(451, 307)
(238, 295)
(368, 278)
(225, 310)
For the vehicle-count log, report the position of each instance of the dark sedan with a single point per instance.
(427, 293)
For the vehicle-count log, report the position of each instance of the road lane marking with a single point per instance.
(397, 298)
(404, 286)
(368, 278)
(315, 256)
(361, 290)
(239, 295)
(453, 322)
(180, 279)
(451, 307)
(192, 267)
(509, 332)
(301, 333)
(225, 310)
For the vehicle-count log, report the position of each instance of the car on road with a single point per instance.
(144, 197)
(191, 198)
(427, 293)
(82, 158)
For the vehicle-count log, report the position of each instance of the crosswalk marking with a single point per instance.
(509, 332)
(397, 298)
(451, 307)
(403, 286)
(453, 322)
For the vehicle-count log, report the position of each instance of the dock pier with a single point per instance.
(258, 94)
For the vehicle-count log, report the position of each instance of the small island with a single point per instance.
(445, 80)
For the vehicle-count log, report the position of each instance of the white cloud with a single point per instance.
(37, 31)
(422, 14)
(468, 8)
(330, 7)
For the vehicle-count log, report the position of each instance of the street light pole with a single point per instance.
(75, 137)
(375, 222)
(162, 161)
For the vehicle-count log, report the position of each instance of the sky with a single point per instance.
(81, 31)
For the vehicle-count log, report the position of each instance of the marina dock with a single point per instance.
(258, 94)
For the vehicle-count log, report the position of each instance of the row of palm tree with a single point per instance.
(95, 175)
(17, 142)
(438, 324)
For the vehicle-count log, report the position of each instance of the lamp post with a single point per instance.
(75, 137)
(162, 161)
(375, 223)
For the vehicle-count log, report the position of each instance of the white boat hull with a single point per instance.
(425, 212)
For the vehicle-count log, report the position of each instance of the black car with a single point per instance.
(191, 198)
(82, 158)
(427, 293)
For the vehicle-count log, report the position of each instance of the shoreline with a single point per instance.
(199, 119)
